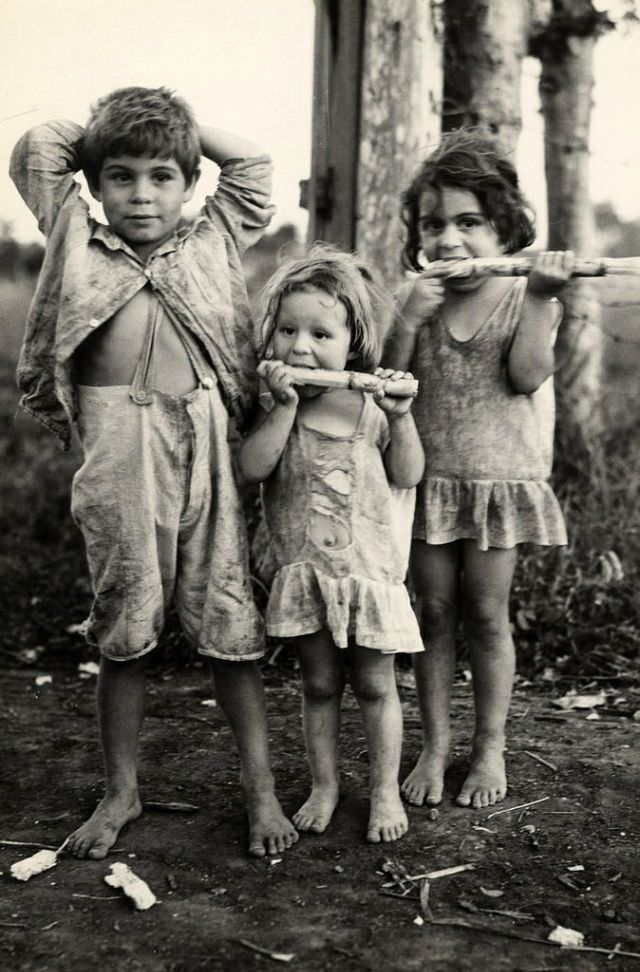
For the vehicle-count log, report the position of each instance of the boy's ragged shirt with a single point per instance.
(89, 273)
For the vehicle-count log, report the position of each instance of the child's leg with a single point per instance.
(435, 571)
(121, 686)
(323, 680)
(240, 692)
(374, 684)
(487, 582)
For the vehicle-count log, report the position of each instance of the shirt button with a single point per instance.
(207, 382)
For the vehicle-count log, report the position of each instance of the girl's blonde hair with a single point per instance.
(344, 277)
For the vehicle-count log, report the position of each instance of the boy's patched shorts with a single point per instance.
(156, 501)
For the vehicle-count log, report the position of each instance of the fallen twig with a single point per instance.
(445, 872)
(520, 806)
(172, 807)
(96, 897)
(26, 843)
(471, 926)
(539, 759)
(276, 956)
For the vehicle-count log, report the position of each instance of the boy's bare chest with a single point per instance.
(109, 355)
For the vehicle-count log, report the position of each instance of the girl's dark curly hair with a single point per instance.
(468, 159)
(136, 121)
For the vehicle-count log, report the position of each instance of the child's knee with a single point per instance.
(437, 616)
(322, 687)
(487, 621)
(371, 686)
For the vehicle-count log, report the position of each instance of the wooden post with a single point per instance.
(376, 112)
(330, 194)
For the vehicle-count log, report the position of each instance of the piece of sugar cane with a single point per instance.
(28, 867)
(359, 380)
(134, 887)
(36, 864)
(519, 266)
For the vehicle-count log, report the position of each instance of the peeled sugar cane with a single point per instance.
(357, 380)
(521, 266)
(134, 887)
(28, 867)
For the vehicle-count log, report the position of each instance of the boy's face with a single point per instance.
(142, 199)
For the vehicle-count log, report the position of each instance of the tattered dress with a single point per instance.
(340, 535)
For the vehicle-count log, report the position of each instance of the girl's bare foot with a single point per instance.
(425, 782)
(387, 816)
(486, 783)
(270, 832)
(317, 811)
(98, 834)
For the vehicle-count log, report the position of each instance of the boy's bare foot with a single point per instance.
(316, 812)
(97, 835)
(387, 816)
(269, 830)
(425, 782)
(486, 783)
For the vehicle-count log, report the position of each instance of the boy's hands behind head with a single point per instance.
(550, 272)
(421, 302)
(278, 380)
(394, 405)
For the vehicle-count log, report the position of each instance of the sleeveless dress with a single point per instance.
(340, 535)
(488, 448)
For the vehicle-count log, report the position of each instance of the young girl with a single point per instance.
(338, 468)
(482, 349)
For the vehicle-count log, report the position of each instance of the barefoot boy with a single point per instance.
(140, 336)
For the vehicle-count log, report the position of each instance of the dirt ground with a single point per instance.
(569, 858)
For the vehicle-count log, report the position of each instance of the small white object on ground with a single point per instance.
(566, 937)
(36, 864)
(88, 668)
(43, 680)
(134, 887)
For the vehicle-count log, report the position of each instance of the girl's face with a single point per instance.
(312, 331)
(453, 227)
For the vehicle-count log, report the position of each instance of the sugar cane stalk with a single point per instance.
(521, 266)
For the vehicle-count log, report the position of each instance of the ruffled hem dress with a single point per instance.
(488, 448)
(339, 536)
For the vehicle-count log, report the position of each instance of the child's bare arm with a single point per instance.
(531, 357)
(219, 146)
(261, 450)
(416, 306)
(404, 457)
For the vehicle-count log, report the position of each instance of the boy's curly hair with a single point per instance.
(136, 121)
(471, 160)
(346, 278)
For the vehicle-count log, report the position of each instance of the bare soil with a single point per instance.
(569, 859)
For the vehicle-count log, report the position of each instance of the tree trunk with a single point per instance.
(485, 43)
(566, 83)
(399, 119)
